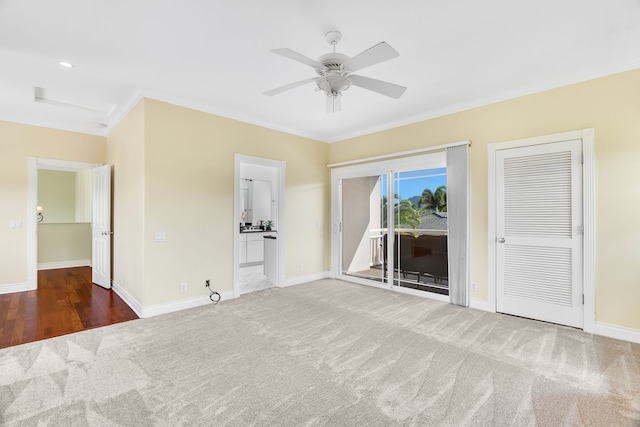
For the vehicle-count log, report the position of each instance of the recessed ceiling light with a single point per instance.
(66, 64)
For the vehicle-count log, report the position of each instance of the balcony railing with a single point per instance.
(377, 235)
(420, 258)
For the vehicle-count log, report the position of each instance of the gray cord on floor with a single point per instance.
(211, 295)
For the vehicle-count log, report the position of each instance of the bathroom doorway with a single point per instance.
(259, 224)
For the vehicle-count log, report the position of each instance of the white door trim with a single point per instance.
(34, 164)
(280, 220)
(588, 212)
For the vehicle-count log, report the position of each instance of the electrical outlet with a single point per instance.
(183, 287)
(474, 286)
(300, 267)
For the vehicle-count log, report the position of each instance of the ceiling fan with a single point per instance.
(335, 71)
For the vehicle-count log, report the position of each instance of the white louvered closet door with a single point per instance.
(539, 232)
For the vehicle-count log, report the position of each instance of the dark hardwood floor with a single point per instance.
(65, 302)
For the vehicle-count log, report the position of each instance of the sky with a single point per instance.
(414, 182)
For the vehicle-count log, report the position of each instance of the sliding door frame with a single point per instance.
(432, 160)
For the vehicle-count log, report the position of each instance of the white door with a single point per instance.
(101, 225)
(539, 232)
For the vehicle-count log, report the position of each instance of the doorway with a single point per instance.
(392, 225)
(541, 228)
(72, 221)
(414, 222)
(259, 224)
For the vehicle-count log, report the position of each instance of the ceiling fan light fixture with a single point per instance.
(335, 70)
(334, 103)
(333, 84)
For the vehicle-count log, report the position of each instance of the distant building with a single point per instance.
(433, 221)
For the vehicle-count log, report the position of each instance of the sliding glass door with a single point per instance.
(393, 224)
(420, 230)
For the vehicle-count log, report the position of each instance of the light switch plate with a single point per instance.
(161, 236)
(15, 224)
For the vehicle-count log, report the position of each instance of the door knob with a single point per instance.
(501, 240)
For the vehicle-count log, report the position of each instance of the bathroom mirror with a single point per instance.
(255, 199)
(65, 196)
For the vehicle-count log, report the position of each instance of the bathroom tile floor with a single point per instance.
(252, 279)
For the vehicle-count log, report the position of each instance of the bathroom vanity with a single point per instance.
(252, 246)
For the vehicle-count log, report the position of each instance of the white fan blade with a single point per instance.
(291, 54)
(383, 88)
(374, 55)
(334, 103)
(289, 86)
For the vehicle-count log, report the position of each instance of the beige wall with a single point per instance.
(359, 216)
(84, 195)
(609, 105)
(183, 181)
(64, 242)
(18, 142)
(65, 196)
(126, 154)
(57, 195)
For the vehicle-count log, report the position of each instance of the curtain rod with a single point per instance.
(400, 154)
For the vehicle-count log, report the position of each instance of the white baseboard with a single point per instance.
(17, 287)
(170, 307)
(64, 264)
(603, 329)
(155, 310)
(127, 298)
(305, 279)
(618, 332)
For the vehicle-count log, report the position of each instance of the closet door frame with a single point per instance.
(588, 212)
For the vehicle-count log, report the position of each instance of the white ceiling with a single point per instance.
(213, 55)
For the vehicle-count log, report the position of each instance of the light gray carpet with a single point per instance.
(323, 353)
